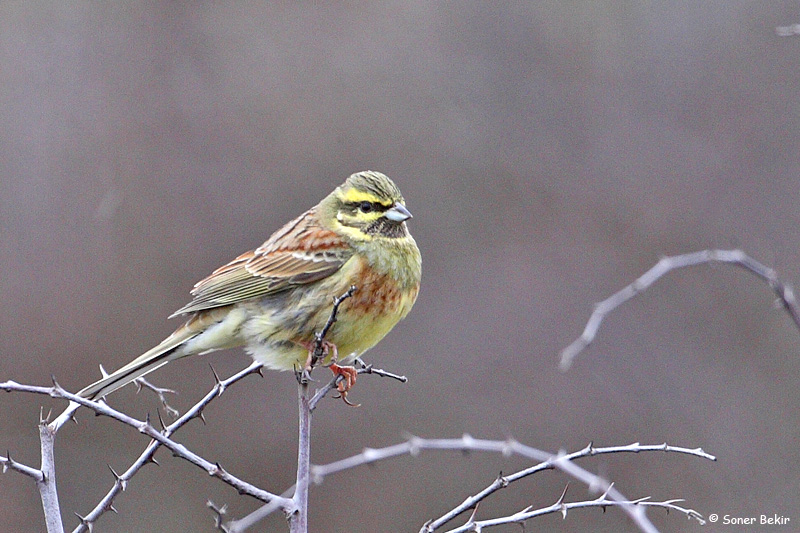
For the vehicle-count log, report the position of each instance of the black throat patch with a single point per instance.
(387, 228)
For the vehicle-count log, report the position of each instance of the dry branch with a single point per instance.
(665, 265)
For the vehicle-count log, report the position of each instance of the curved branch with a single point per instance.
(665, 265)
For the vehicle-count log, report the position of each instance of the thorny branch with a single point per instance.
(547, 461)
(565, 462)
(147, 428)
(560, 506)
(147, 456)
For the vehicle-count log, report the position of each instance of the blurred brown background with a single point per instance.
(550, 152)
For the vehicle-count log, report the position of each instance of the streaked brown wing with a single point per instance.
(300, 252)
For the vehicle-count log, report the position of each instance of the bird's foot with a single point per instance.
(349, 373)
(318, 352)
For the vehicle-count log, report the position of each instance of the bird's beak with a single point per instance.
(398, 213)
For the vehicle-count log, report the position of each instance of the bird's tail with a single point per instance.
(168, 350)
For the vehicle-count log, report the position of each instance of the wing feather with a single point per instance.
(301, 252)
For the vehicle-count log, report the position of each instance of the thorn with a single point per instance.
(202, 417)
(474, 513)
(55, 383)
(103, 372)
(154, 461)
(563, 495)
(112, 508)
(260, 371)
(561, 503)
(604, 496)
(502, 480)
(123, 484)
(85, 522)
(161, 421)
(217, 381)
(217, 471)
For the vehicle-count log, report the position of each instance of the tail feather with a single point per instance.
(168, 350)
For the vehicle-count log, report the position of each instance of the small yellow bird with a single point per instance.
(274, 299)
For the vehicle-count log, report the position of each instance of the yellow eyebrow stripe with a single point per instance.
(355, 196)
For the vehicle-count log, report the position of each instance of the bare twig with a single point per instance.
(47, 484)
(363, 369)
(788, 30)
(668, 264)
(298, 515)
(11, 464)
(298, 519)
(369, 369)
(219, 515)
(161, 392)
(319, 337)
(246, 522)
(560, 506)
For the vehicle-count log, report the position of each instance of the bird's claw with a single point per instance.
(349, 374)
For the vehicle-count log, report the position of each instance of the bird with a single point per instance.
(275, 299)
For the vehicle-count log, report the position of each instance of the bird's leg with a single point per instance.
(318, 351)
(349, 373)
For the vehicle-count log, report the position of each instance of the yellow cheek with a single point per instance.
(350, 231)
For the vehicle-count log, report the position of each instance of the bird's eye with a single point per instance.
(365, 207)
